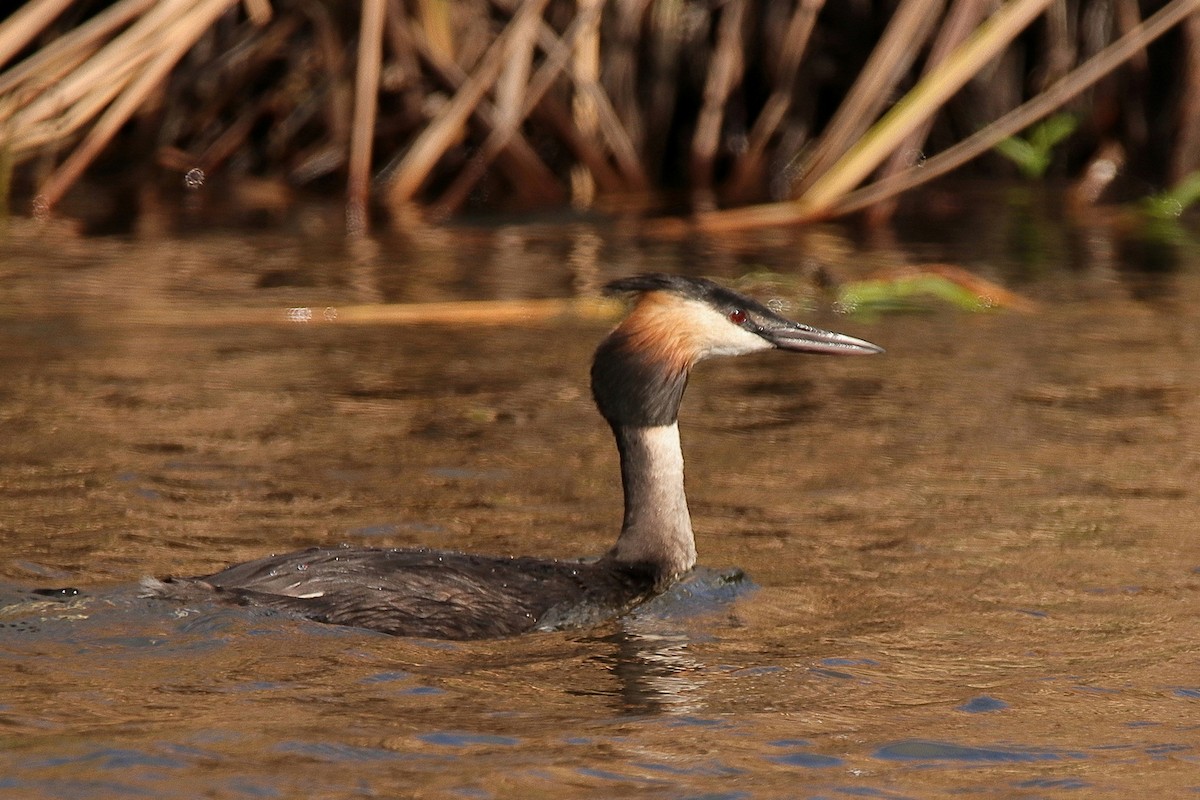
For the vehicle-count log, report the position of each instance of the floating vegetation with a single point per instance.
(921, 288)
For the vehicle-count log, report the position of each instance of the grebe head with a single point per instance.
(641, 369)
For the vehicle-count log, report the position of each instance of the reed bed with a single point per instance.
(731, 113)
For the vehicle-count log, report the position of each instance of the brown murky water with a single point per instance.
(976, 558)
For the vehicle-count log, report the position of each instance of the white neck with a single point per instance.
(657, 530)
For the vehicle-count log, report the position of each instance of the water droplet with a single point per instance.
(299, 314)
(194, 178)
(330, 314)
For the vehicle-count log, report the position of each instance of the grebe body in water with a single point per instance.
(638, 378)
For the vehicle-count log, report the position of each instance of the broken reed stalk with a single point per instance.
(475, 312)
(1028, 113)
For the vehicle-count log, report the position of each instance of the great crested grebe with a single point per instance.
(638, 376)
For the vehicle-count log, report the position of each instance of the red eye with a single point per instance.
(737, 316)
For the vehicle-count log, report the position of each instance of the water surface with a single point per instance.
(976, 559)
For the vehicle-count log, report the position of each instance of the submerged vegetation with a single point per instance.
(742, 113)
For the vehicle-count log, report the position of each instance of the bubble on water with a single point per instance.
(194, 178)
(1104, 169)
(41, 208)
(300, 314)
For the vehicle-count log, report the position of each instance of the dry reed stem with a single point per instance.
(666, 27)
(585, 70)
(547, 72)
(113, 63)
(24, 139)
(517, 159)
(57, 58)
(1186, 158)
(78, 81)
(26, 23)
(366, 97)
(1128, 18)
(619, 141)
(258, 11)
(1027, 113)
(183, 35)
(921, 102)
(513, 82)
(1019, 118)
(891, 58)
(403, 49)
(588, 148)
(339, 100)
(227, 143)
(724, 72)
(443, 131)
(622, 69)
(594, 156)
(434, 18)
(750, 166)
(925, 98)
(266, 46)
(963, 17)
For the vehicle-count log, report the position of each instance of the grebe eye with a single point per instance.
(737, 316)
